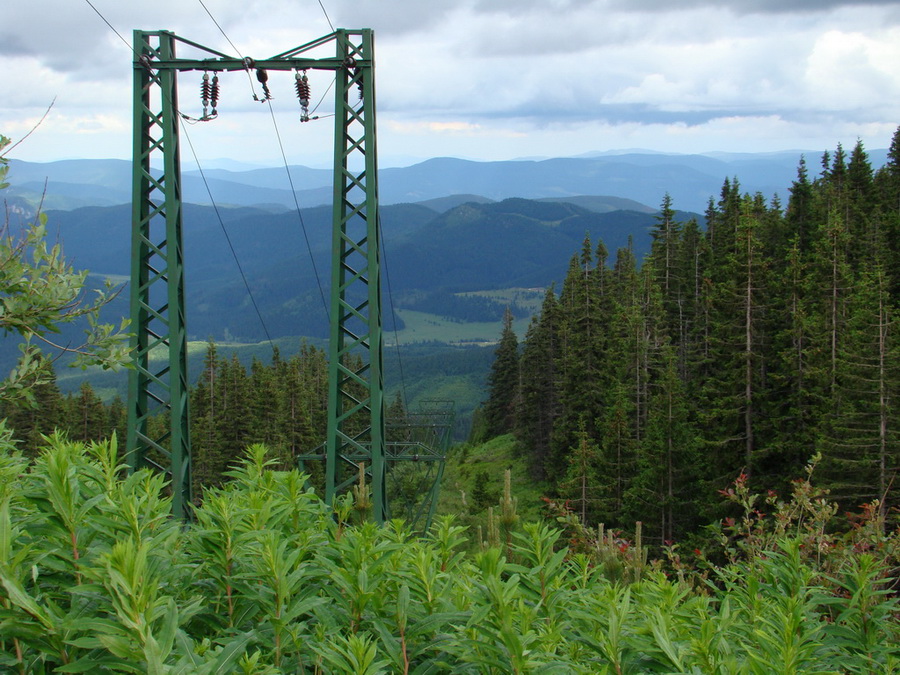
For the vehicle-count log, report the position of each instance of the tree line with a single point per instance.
(281, 404)
(747, 345)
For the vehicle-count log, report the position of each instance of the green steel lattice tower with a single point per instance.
(158, 385)
(158, 415)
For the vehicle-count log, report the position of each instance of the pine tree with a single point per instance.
(860, 443)
(539, 404)
(732, 385)
(117, 418)
(86, 417)
(797, 382)
(800, 218)
(42, 417)
(618, 455)
(583, 329)
(580, 483)
(207, 450)
(860, 216)
(886, 189)
(664, 256)
(503, 382)
(397, 421)
(266, 407)
(235, 422)
(661, 493)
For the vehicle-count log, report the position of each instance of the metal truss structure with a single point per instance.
(158, 414)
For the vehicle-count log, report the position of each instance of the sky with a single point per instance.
(478, 79)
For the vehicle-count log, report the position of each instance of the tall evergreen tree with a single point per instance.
(503, 382)
(583, 326)
(31, 422)
(580, 483)
(664, 255)
(207, 408)
(860, 444)
(86, 418)
(661, 493)
(539, 402)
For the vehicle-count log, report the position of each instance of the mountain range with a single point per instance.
(462, 240)
(642, 177)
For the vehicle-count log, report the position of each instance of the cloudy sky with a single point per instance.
(481, 79)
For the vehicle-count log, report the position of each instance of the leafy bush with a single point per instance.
(96, 577)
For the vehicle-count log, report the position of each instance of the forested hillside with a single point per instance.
(659, 397)
(746, 348)
(745, 345)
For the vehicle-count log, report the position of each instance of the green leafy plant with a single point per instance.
(40, 291)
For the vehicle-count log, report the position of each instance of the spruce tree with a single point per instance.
(860, 439)
(86, 416)
(42, 416)
(539, 403)
(583, 329)
(580, 483)
(503, 382)
(664, 255)
(207, 410)
(661, 493)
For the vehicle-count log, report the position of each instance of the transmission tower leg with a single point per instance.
(158, 425)
(356, 386)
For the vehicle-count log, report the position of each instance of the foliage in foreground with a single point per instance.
(96, 577)
(40, 293)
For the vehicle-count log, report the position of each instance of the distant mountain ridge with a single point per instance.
(691, 180)
(471, 247)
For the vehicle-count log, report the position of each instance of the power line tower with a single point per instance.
(158, 414)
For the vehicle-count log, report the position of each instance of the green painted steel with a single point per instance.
(158, 422)
(355, 433)
(158, 414)
(416, 449)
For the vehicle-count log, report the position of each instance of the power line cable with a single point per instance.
(387, 278)
(228, 239)
(234, 47)
(203, 175)
(97, 11)
(322, 98)
(286, 167)
(238, 51)
(331, 25)
(287, 170)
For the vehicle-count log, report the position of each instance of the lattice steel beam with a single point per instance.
(158, 386)
(356, 387)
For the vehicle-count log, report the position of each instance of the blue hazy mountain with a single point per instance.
(450, 226)
(473, 246)
(642, 177)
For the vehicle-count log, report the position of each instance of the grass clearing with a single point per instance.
(423, 327)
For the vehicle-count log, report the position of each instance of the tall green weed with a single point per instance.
(96, 577)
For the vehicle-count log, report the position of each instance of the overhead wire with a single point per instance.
(286, 167)
(287, 170)
(387, 278)
(331, 25)
(224, 34)
(228, 239)
(182, 117)
(111, 27)
(234, 47)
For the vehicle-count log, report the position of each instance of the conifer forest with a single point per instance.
(751, 346)
(712, 431)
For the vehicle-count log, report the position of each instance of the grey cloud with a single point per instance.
(15, 44)
(517, 6)
(647, 114)
(390, 17)
(751, 6)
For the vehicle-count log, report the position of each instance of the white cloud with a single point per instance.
(506, 78)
